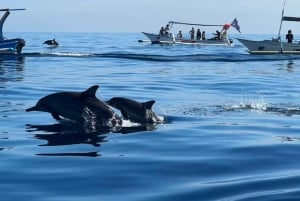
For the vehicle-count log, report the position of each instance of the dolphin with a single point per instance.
(51, 42)
(78, 107)
(135, 111)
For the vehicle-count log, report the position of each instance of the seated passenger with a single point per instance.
(167, 29)
(289, 36)
(217, 35)
(203, 35)
(179, 35)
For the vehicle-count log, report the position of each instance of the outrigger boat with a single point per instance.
(276, 45)
(14, 45)
(172, 39)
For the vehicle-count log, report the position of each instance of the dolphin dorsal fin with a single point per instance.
(90, 92)
(148, 105)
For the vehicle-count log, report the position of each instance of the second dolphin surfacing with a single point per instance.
(135, 111)
(78, 106)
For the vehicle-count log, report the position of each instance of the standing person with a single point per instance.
(162, 31)
(192, 33)
(198, 34)
(289, 36)
(224, 34)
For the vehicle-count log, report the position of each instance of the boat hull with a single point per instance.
(270, 47)
(170, 39)
(157, 39)
(14, 46)
(215, 42)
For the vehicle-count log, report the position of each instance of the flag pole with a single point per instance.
(279, 33)
(281, 19)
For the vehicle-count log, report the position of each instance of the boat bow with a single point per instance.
(9, 45)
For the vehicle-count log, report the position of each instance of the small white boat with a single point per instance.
(276, 45)
(171, 39)
(14, 45)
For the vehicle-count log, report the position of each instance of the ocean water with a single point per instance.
(232, 130)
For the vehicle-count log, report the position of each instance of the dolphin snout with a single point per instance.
(34, 108)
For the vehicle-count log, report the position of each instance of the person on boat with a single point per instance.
(203, 35)
(161, 31)
(217, 35)
(167, 29)
(179, 35)
(224, 34)
(192, 33)
(289, 36)
(198, 34)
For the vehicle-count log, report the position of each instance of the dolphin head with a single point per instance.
(41, 105)
(135, 111)
(69, 105)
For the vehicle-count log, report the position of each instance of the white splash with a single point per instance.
(128, 123)
(259, 104)
(89, 117)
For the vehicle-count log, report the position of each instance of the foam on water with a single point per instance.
(259, 104)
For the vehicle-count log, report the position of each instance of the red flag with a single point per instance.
(226, 26)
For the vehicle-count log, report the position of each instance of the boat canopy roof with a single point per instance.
(293, 19)
(206, 25)
(13, 9)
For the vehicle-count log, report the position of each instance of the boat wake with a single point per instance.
(226, 57)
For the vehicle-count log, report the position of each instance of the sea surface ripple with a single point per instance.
(232, 130)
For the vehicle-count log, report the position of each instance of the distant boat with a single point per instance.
(9, 45)
(170, 38)
(276, 45)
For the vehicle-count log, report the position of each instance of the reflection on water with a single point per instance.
(290, 66)
(11, 68)
(288, 138)
(88, 154)
(67, 133)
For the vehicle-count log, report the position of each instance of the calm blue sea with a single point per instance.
(233, 129)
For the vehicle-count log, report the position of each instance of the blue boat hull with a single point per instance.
(12, 45)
